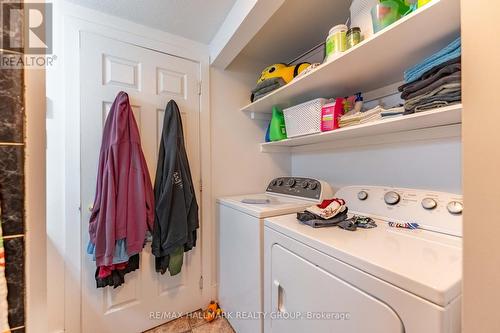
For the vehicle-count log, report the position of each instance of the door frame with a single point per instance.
(74, 21)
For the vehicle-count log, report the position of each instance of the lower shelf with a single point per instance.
(433, 121)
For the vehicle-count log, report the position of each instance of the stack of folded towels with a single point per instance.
(435, 82)
(368, 116)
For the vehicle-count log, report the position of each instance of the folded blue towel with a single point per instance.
(451, 51)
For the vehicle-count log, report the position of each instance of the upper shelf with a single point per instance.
(375, 62)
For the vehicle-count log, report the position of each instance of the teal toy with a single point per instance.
(277, 129)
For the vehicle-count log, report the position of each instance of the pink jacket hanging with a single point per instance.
(124, 200)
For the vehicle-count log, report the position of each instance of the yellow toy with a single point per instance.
(213, 311)
(287, 73)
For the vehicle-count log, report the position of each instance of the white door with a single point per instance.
(307, 298)
(151, 79)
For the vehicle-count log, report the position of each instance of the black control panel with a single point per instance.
(296, 186)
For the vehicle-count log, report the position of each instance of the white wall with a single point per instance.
(433, 165)
(237, 163)
(238, 166)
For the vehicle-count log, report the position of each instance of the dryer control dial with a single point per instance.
(362, 195)
(429, 203)
(392, 198)
(291, 182)
(455, 207)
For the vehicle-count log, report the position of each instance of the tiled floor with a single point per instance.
(194, 323)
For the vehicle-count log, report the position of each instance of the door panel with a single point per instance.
(151, 79)
(317, 301)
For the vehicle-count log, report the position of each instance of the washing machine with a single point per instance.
(241, 249)
(380, 280)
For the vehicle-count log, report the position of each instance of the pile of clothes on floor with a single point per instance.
(370, 115)
(331, 213)
(435, 82)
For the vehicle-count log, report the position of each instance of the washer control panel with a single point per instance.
(432, 210)
(302, 188)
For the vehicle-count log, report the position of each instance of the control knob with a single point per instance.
(455, 207)
(362, 195)
(391, 198)
(429, 203)
(291, 182)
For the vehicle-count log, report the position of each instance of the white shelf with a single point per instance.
(375, 62)
(365, 133)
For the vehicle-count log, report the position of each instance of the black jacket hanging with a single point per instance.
(176, 218)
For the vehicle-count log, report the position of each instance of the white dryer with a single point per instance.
(380, 280)
(241, 248)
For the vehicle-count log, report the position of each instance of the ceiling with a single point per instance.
(296, 27)
(197, 20)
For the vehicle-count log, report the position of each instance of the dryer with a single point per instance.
(380, 280)
(241, 249)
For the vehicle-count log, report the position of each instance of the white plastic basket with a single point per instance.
(305, 118)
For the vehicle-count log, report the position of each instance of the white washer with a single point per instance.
(380, 280)
(241, 249)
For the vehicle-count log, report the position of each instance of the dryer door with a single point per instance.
(313, 300)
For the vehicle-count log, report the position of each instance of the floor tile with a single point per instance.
(219, 325)
(196, 318)
(180, 325)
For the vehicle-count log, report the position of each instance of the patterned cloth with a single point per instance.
(4, 323)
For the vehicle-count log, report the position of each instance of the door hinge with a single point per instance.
(199, 88)
(201, 282)
(201, 185)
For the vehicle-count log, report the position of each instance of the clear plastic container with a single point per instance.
(336, 41)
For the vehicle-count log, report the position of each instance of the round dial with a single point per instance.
(313, 186)
(280, 182)
(429, 203)
(455, 207)
(362, 195)
(273, 183)
(291, 182)
(391, 198)
(305, 184)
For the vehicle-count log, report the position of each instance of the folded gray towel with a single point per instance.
(265, 87)
(434, 102)
(430, 77)
(447, 88)
(453, 78)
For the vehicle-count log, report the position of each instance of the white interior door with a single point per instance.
(151, 79)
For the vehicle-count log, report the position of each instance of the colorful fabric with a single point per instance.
(4, 322)
(404, 225)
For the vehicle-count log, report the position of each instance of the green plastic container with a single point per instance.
(387, 12)
(277, 129)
